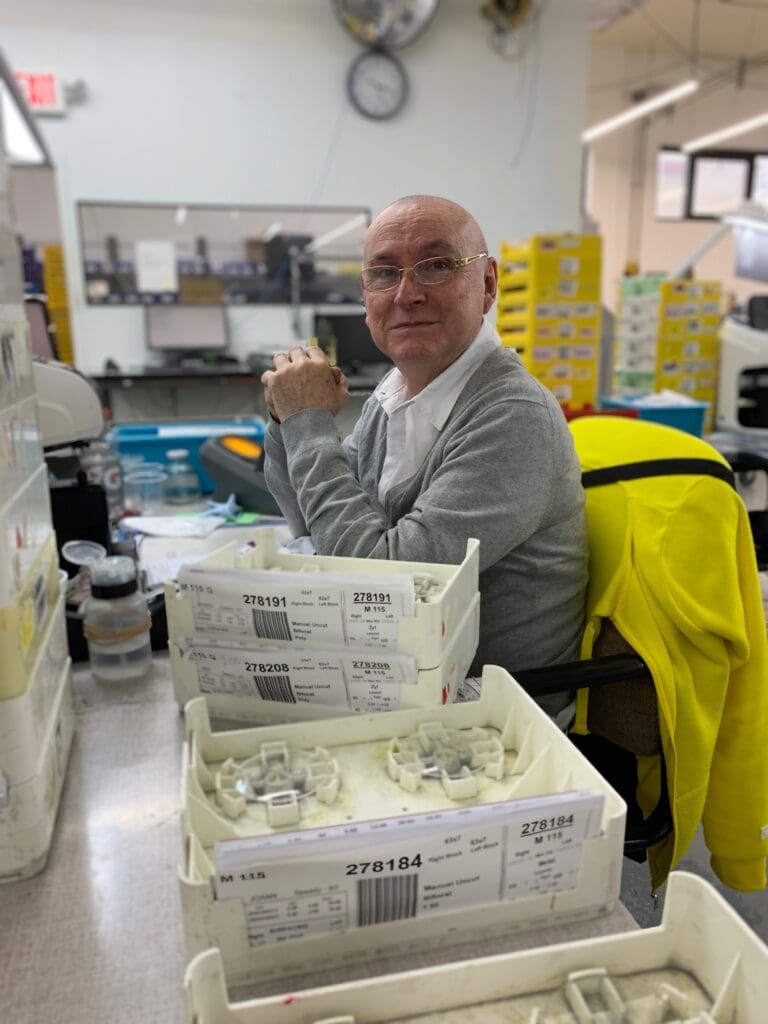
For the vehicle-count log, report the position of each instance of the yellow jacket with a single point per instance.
(672, 564)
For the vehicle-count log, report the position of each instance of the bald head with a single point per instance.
(424, 326)
(463, 224)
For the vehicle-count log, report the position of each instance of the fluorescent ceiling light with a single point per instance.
(740, 128)
(640, 110)
(21, 138)
(181, 215)
(359, 221)
(750, 215)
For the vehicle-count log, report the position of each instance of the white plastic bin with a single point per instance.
(24, 720)
(317, 684)
(28, 811)
(16, 376)
(470, 856)
(238, 593)
(21, 450)
(24, 619)
(702, 949)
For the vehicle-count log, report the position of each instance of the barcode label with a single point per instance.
(275, 688)
(381, 900)
(314, 881)
(271, 625)
(315, 610)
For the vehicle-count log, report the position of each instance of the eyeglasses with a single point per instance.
(436, 270)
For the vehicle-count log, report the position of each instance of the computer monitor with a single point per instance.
(355, 349)
(178, 331)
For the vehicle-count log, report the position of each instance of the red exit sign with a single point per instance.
(41, 90)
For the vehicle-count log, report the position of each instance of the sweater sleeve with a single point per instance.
(278, 479)
(496, 481)
(278, 482)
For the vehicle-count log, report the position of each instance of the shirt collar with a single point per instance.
(439, 397)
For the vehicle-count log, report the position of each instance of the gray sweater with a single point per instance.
(503, 470)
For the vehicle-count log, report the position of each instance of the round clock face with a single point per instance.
(377, 84)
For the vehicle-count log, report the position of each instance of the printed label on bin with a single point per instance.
(344, 680)
(569, 265)
(318, 881)
(312, 609)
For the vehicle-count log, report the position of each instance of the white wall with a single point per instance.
(616, 203)
(244, 101)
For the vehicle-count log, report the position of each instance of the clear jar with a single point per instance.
(117, 622)
(182, 484)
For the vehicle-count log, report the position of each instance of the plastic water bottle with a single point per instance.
(101, 464)
(117, 622)
(182, 484)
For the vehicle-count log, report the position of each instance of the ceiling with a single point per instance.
(724, 29)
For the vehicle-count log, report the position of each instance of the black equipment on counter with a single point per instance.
(236, 466)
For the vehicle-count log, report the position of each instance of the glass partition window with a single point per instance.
(671, 184)
(136, 254)
(719, 185)
(705, 185)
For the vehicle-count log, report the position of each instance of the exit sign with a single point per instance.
(41, 90)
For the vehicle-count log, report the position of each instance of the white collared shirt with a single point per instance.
(413, 424)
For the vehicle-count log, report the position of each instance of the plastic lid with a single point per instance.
(114, 569)
(114, 576)
(83, 552)
(177, 453)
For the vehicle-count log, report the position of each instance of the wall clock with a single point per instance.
(377, 84)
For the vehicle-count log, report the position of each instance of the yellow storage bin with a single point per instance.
(672, 348)
(566, 243)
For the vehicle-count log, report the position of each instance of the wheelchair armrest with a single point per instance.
(573, 675)
(747, 461)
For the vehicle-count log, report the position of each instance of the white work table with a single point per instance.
(96, 938)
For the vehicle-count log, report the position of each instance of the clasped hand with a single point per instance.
(303, 379)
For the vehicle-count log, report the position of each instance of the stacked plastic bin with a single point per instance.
(700, 965)
(314, 841)
(548, 309)
(270, 636)
(666, 338)
(315, 845)
(36, 715)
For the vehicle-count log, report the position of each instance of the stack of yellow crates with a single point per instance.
(548, 309)
(667, 338)
(689, 318)
(55, 284)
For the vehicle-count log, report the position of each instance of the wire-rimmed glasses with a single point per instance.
(435, 270)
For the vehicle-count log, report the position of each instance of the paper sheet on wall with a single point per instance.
(156, 266)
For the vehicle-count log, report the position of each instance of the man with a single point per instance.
(457, 441)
